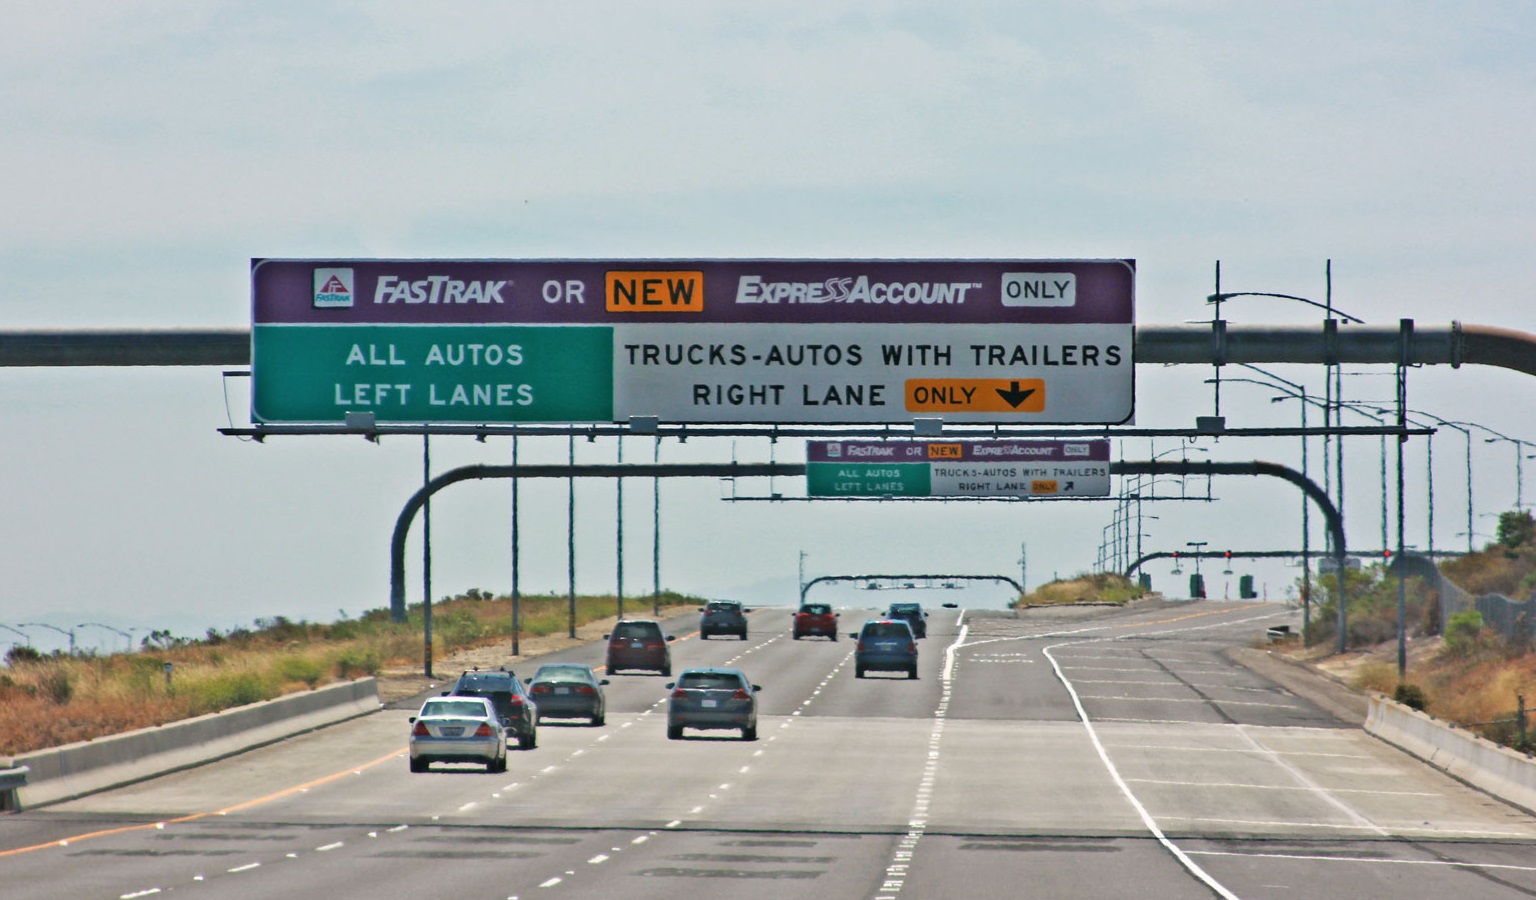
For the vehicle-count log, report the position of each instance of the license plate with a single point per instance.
(560, 690)
(709, 704)
(636, 645)
(451, 731)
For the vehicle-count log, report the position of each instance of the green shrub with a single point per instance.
(1410, 695)
(300, 668)
(1462, 632)
(225, 690)
(56, 685)
(355, 661)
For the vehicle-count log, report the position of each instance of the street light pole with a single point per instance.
(67, 632)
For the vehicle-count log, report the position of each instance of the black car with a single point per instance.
(723, 617)
(517, 709)
(568, 691)
(912, 614)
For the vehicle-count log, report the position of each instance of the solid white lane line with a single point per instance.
(1114, 773)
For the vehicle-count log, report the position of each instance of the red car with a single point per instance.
(817, 619)
(639, 644)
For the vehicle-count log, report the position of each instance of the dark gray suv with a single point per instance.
(723, 617)
(518, 712)
(887, 645)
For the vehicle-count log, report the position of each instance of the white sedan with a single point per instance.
(458, 730)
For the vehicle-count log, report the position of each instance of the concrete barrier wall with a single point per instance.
(1500, 771)
(74, 770)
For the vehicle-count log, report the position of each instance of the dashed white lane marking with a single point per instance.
(551, 882)
(917, 823)
(600, 858)
(329, 847)
(143, 893)
(245, 868)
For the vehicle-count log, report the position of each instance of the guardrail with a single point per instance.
(11, 781)
(1504, 773)
(74, 770)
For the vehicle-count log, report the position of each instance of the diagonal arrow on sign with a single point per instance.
(1013, 396)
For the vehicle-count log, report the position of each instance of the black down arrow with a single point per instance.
(1013, 395)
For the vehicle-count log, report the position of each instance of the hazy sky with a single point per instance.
(150, 149)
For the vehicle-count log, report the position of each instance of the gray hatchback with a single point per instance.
(722, 617)
(712, 698)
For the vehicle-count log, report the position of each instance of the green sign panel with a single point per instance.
(865, 480)
(439, 373)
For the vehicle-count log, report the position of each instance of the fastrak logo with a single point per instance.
(333, 288)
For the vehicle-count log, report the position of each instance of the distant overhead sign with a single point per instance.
(700, 341)
(957, 468)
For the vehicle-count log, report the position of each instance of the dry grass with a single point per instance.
(1099, 587)
(60, 700)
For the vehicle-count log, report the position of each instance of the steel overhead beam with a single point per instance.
(476, 472)
(1455, 344)
(125, 347)
(1332, 517)
(806, 588)
(1267, 554)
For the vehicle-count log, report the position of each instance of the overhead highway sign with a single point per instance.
(957, 468)
(1015, 342)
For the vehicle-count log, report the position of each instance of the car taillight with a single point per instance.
(540, 689)
(654, 645)
(483, 731)
(420, 730)
(911, 647)
(515, 700)
(679, 694)
(584, 689)
(741, 694)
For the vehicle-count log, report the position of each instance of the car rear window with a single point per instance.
(723, 607)
(637, 630)
(453, 708)
(709, 681)
(485, 681)
(816, 609)
(887, 629)
(561, 675)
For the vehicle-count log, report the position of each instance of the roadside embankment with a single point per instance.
(62, 773)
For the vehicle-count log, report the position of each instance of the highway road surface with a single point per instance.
(1083, 753)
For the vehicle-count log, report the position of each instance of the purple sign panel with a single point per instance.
(1088, 450)
(1025, 469)
(769, 290)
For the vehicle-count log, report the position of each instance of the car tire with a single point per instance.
(858, 671)
(834, 638)
(703, 635)
(743, 635)
(597, 721)
(528, 741)
(912, 673)
(674, 732)
(666, 671)
(749, 733)
(795, 636)
(418, 766)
